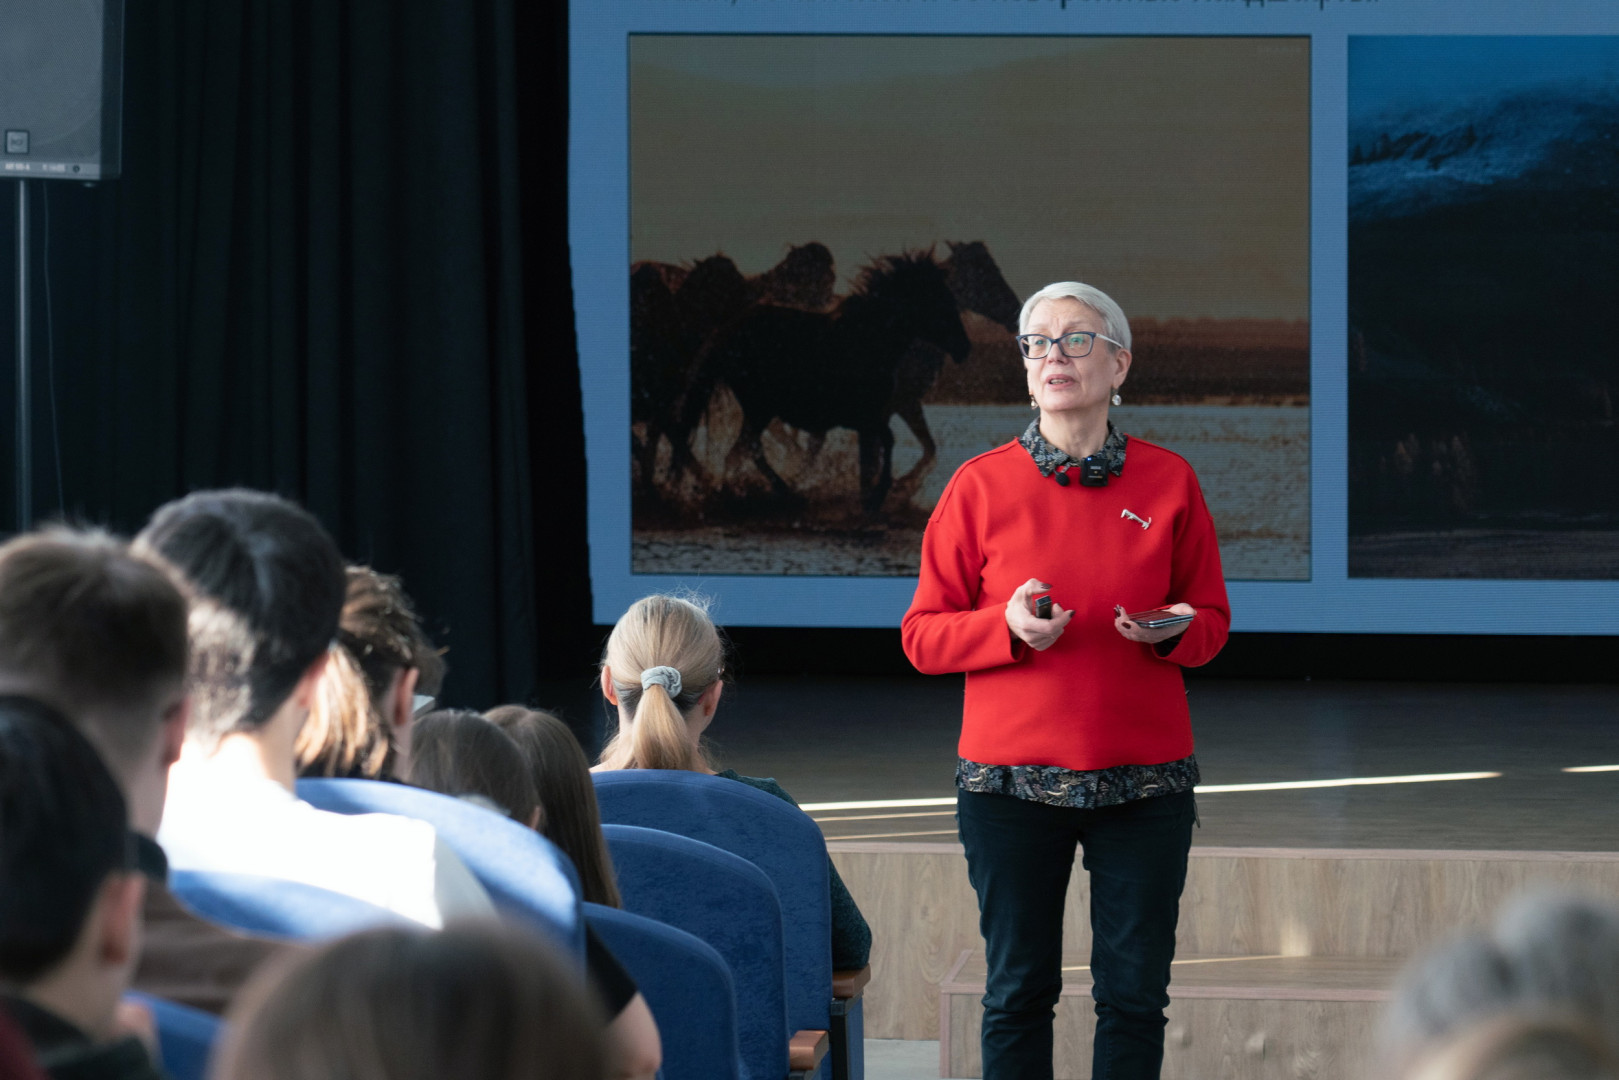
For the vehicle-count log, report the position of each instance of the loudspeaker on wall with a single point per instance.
(61, 88)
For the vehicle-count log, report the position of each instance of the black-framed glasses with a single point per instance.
(1074, 345)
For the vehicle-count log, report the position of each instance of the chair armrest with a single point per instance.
(806, 1049)
(850, 984)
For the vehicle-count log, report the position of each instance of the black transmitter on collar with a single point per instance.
(1093, 471)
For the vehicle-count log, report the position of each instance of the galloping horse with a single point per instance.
(978, 285)
(821, 370)
(675, 309)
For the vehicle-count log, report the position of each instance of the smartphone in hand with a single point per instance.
(1159, 618)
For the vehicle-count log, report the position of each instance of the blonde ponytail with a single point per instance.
(668, 632)
(658, 734)
(344, 735)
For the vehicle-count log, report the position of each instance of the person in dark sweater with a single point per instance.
(664, 671)
(70, 911)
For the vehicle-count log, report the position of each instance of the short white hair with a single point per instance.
(1548, 952)
(1118, 327)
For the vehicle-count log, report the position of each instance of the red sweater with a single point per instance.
(1094, 699)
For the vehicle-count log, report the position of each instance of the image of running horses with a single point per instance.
(719, 358)
(674, 310)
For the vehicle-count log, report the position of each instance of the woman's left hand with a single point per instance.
(1136, 632)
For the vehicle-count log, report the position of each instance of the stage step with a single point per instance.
(1380, 905)
(1230, 1017)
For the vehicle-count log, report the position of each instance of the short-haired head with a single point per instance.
(1116, 325)
(1548, 952)
(1455, 983)
(474, 1001)
(660, 631)
(265, 582)
(459, 753)
(63, 831)
(99, 633)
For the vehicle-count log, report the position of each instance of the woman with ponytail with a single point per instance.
(359, 723)
(664, 670)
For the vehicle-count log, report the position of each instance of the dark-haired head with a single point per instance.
(572, 819)
(265, 583)
(460, 753)
(63, 833)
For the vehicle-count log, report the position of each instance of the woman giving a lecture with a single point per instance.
(1075, 731)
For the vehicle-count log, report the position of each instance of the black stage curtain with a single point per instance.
(335, 267)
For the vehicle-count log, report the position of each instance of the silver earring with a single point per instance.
(1116, 399)
(1033, 404)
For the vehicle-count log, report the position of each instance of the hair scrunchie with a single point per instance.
(664, 676)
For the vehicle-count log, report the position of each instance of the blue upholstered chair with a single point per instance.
(524, 872)
(185, 1036)
(787, 845)
(272, 908)
(686, 984)
(730, 904)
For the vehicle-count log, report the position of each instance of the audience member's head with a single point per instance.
(571, 819)
(100, 635)
(1548, 953)
(360, 722)
(1514, 1047)
(1565, 948)
(474, 1001)
(664, 668)
(265, 583)
(71, 902)
(459, 753)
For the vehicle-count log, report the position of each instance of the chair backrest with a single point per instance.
(686, 984)
(730, 904)
(773, 835)
(525, 873)
(270, 907)
(185, 1036)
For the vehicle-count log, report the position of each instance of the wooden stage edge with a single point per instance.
(1426, 854)
(1331, 907)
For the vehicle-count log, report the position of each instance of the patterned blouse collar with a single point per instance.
(1050, 459)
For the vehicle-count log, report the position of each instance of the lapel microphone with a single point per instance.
(1092, 472)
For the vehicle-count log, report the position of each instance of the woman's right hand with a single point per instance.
(1038, 634)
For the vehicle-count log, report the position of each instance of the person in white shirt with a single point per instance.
(265, 585)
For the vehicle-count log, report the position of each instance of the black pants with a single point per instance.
(1020, 855)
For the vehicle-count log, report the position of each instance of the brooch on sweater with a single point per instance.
(1127, 514)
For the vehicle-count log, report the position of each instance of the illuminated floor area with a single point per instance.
(882, 740)
(900, 1059)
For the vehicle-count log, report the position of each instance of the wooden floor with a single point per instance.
(1304, 978)
(894, 739)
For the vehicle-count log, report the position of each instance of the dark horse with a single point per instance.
(820, 370)
(978, 285)
(675, 309)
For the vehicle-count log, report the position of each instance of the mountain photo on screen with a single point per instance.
(1484, 307)
(830, 239)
